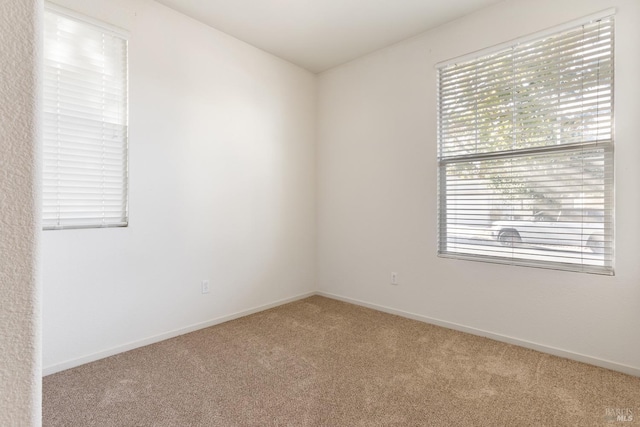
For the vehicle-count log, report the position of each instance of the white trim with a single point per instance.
(594, 361)
(165, 336)
(630, 370)
(528, 38)
(116, 31)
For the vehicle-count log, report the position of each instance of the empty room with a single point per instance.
(320, 213)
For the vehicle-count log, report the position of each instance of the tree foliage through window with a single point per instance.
(525, 146)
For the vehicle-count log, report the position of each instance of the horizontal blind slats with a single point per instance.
(85, 125)
(525, 153)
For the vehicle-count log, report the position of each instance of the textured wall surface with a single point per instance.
(19, 304)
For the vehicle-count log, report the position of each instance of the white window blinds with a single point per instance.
(525, 152)
(85, 124)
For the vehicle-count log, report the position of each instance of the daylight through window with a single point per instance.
(85, 124)
(525, 152)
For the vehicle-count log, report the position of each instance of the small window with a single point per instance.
(85, 123)
(525, 152)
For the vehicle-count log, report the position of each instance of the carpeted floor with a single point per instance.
(320, 362)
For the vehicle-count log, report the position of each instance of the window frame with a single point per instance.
(608, 156)
(86, 222)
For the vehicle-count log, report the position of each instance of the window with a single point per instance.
(525, 152)
(85, 123)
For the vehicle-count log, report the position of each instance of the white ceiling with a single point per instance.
(320, 34)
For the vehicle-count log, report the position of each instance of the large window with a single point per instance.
(525, 152)
(85, 123)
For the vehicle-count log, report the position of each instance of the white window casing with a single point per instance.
(85, 161)
(525, 151)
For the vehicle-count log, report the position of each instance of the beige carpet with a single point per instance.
(320, 362)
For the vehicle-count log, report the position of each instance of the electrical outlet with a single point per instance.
(394, 278)
(205, 286)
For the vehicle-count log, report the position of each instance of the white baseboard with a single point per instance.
(630, 370)
(171, 334)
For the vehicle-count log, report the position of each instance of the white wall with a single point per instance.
(377, 197)
(222, 187)
(20, 360)
(223, 168)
